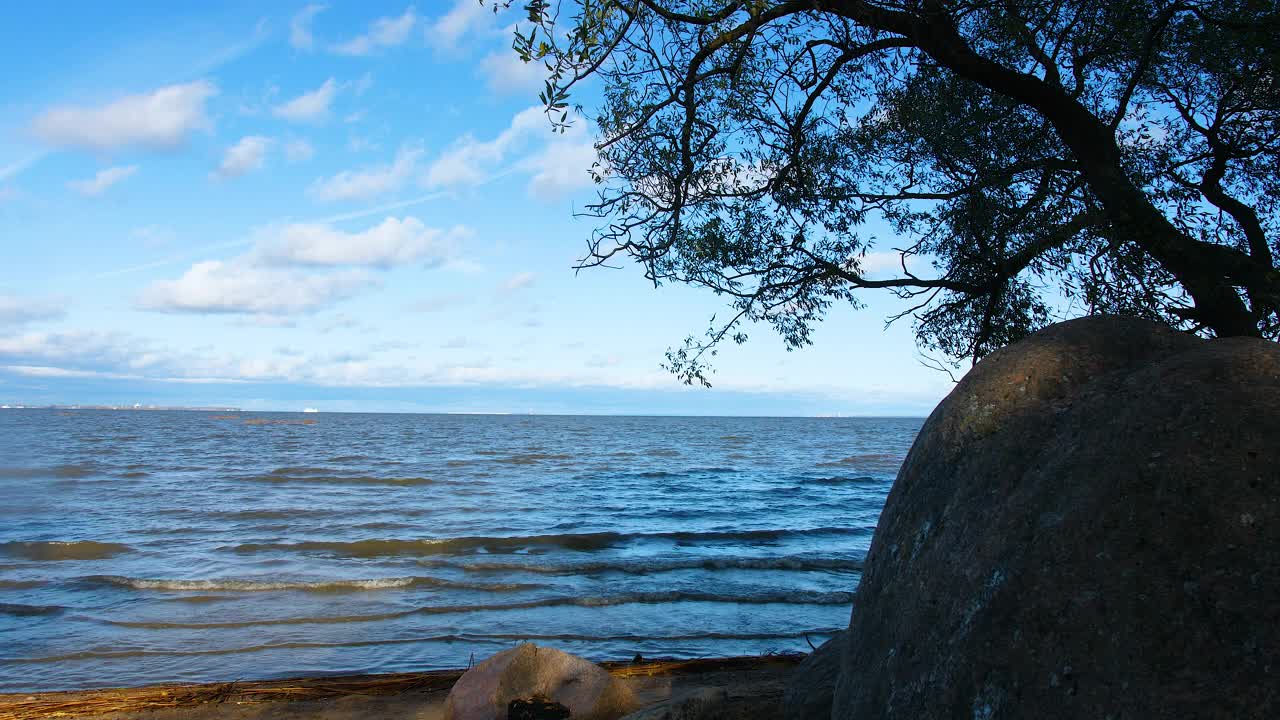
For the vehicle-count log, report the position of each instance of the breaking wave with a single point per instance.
(860, 480)
(497, 638)
(791, 597)
(656, 565)
(319, 586)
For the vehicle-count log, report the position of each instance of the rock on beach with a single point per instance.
(1087, 526)
(589, 692)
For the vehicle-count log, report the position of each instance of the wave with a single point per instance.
(57, 471)
(318, 586)
(340, 479)
(20, 610)
(384, 525)
(301, 470)
(582, 542)
(496, 638)
(198, 598)
(20, 584)
(655, 474)
(657, 565)
(684, 473)
(879, 460)
(772, 597)
(275, 514)
(253, 514)
(46, 550)
(532, 458)
(860, 480)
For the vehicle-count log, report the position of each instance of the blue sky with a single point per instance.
(351, 206)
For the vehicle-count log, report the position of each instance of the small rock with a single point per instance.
(486, 691)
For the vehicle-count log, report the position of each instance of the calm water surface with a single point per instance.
(148, 547)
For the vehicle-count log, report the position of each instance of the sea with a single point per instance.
(147, 547)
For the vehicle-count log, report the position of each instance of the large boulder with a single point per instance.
(1087, 526)
(527, 671)
(808, 694)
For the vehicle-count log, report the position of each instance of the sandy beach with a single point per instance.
(750, 687)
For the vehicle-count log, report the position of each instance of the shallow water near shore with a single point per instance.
(150, 547)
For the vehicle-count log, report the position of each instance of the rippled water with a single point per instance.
(147, 547)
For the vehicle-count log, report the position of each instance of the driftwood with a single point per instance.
(39, 706)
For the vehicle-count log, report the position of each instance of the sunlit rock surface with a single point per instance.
(485, 691)
(1088, 526)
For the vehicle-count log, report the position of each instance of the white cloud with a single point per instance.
(299, 151)
(393, 242)
(300, 27)
(240, 286)
(72, 348)
(369, 182)
(470, 161)
(556, 163)
(160, 119)
(245, 156)
(383, 32)
(118, 355)
(464, 17)
(324, 369)
(310, 106)
(519, 281)
(281, 274)
(103, 181)
(79, 353)
(560, 168)
(16, 310)
(504, 72)
(883, 264)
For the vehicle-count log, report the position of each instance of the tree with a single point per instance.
(1037, 156)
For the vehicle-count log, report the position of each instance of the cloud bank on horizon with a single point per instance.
(359, 204)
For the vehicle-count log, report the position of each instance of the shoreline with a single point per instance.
(755, 683)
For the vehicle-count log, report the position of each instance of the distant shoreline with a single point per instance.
(451, 413)
(167, 408)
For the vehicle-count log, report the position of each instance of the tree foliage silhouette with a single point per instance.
(1025, 156)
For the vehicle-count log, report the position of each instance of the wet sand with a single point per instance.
(750, 687)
